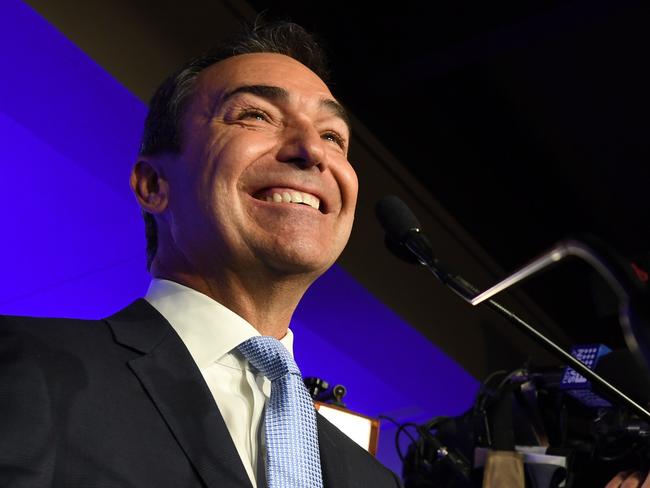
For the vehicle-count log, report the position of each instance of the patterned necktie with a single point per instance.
(292, 455)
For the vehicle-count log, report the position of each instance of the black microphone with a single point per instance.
(403, 231)
(396, 218)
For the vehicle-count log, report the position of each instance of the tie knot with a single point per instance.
(269, 357)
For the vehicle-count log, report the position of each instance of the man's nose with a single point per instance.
(303, 146)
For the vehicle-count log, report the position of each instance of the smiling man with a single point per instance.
(259, 201)
(248, 197)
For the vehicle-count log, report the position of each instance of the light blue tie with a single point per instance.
(292, 455)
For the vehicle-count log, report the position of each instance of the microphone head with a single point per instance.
(395, 217)
(403, 236)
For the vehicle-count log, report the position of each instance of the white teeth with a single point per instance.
(311, 200)
(294, 197)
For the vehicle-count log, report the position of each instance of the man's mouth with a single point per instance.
(288, 195)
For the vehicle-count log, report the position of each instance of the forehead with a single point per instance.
(262, 69)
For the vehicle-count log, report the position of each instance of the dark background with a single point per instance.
(528, 121)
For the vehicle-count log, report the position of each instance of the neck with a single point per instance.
(266, 302)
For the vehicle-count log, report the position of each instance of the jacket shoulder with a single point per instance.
(51, 330)
(59, 329)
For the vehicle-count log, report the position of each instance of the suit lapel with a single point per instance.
(173, 381)
(334, 467)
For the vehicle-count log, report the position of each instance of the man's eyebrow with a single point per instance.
(272, 93)
(278, 94)
(337, 110)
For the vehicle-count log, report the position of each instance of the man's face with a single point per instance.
(261, 134)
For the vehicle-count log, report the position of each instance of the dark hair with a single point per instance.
(163, 125)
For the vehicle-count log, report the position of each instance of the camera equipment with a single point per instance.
(559, 422)
(563, 441)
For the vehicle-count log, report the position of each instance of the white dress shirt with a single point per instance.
(211, 333)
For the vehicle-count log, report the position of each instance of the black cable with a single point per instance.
(401, 428)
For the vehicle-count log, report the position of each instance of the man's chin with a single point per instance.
(310, 263)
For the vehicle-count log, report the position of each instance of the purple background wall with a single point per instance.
(72, 240)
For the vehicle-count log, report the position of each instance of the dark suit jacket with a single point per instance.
(120, 403)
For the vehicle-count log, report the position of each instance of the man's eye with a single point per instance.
(253, 114)
(334, 137)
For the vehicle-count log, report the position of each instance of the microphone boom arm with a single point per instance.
(415, 243)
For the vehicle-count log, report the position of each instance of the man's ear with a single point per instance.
(150, 187)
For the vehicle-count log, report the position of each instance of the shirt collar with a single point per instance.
(208, 329)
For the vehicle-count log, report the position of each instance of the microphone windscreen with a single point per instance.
(395, 217)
